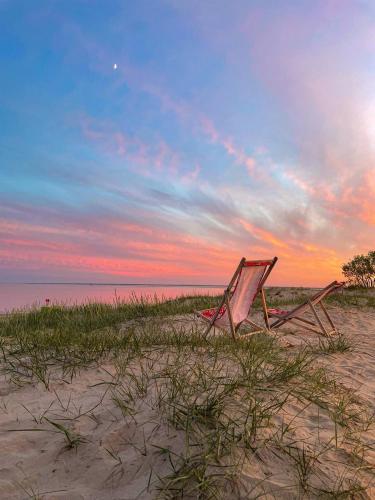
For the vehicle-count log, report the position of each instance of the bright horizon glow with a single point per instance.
(160, 142)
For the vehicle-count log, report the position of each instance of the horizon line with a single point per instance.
(92, 283)
(199, 285)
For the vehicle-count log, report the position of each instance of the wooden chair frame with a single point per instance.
(228, 292)
(316, 326)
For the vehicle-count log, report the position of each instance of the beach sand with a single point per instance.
(121, 455)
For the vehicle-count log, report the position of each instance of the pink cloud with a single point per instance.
(160, 157)
(192, 175)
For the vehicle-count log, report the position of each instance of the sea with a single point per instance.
(29, 295)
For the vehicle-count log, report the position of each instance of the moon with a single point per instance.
(115, 66)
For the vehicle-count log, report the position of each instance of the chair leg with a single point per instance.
(259, 329)
(303, 320)
(250, 334)
(207, 330)
(232, 328)
(329, 319)
(324, 331)
(265, 312)
(294, 321)
(276, 324)
(247, 320)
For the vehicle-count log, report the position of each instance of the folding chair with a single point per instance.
(294, 316)
(238, 298)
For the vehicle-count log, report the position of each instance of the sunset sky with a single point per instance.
(161, 141)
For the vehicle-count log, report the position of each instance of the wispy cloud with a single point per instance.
(257, 140)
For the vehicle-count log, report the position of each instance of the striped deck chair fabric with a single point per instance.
(294, 315)
(246, 283)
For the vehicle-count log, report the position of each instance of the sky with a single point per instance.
(161, 141)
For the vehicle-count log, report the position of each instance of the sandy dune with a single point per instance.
(121, 457)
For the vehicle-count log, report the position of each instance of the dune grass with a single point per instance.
(234, 404)
(91, 316)
(35, 342)
(347, 297)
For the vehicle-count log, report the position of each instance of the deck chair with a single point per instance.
(294, 316)
(235, 306)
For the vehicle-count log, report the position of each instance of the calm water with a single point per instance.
(14, 296)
